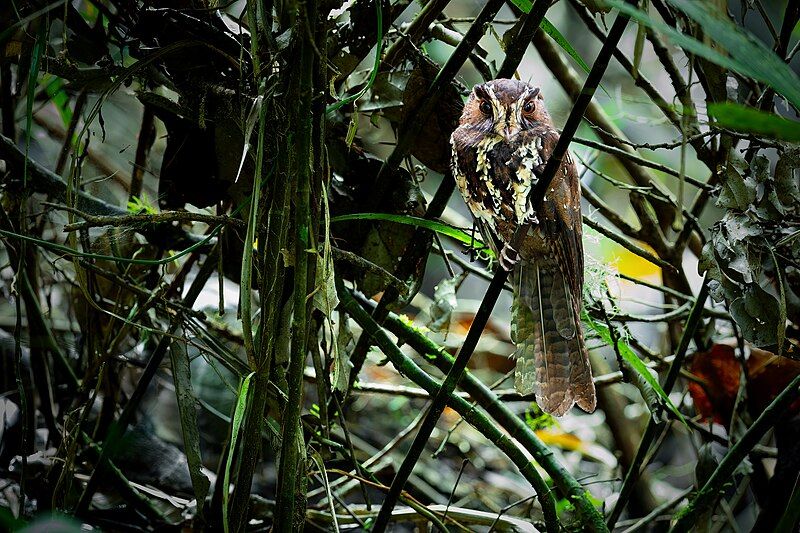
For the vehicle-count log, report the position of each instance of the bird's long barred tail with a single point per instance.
(552, 361)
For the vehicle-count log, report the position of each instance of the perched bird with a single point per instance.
(500, 148)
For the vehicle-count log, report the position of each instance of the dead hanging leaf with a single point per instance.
(325, 297)
(719, 370)
(382, 243)
(432, 145)
(444, 302)
(768, 375)
(751, 247)
(341, 355)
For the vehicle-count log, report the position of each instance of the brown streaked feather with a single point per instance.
(495, 174)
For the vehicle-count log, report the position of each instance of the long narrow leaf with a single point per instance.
(238, 417)
(524, 5)
(632, 359)
(562, 41)
(746, 54)
(187, 403)
(547, 26)
(749, 120)
(374, 73)
(433, 225)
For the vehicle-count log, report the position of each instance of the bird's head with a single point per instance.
(505, 107)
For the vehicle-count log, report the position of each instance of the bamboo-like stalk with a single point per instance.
(290, 509)
(476, 418)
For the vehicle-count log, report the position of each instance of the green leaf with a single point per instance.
(238, 417)
(524, 5)
(433, 225)
(138, 205)
(562, 41)
(187, 407)
(749, 120)
(632, 359)
(54, 87)
(745, 53)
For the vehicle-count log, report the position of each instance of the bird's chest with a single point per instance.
(496, 176)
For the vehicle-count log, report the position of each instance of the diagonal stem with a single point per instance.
(709, 493)
(654, 425)
(475, 417)
(523, 38)
(499, 279)
(120, 426)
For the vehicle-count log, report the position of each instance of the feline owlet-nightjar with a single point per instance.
(499, 151)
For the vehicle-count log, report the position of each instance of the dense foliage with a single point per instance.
(235, 272)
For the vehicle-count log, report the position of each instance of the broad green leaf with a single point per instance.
(632, 359)
(54, 87)
(749, 120)
(433, 225)
(746, 54)
(238, 417)
(138, 205)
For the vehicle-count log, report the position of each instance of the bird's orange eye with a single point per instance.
(486, 107)
(528, 107)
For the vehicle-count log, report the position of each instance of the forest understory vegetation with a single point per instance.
(240, 292)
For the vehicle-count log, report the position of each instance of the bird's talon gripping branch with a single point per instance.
(508, 257)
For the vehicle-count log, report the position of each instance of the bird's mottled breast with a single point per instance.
(495, 175)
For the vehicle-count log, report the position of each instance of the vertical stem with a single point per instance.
(245, 280)
(258, 356)
(291, 470)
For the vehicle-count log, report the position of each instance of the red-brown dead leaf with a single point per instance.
(768, 375)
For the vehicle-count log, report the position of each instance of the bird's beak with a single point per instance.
(510, 130)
